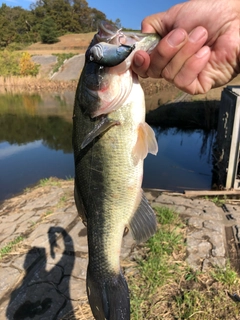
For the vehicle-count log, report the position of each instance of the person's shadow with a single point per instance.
(44, 292)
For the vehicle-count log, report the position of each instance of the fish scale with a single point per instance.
(108, 175)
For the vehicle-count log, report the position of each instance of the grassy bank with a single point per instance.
(20, 74)
(163, 286)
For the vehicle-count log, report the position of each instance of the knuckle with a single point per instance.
(167, 74)
(153, 73)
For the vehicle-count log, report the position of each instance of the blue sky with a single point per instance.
(130, 12)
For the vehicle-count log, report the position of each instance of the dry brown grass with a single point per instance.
(33, 84)
(76, 43)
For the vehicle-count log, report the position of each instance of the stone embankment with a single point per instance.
(43, 276)
(70, 70)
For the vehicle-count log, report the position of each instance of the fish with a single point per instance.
(110, 141)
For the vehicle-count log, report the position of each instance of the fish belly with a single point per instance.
(108, 181)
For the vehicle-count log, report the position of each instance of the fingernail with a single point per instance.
(197, 34)
(202, 52)
(138, 60)
(176, 37)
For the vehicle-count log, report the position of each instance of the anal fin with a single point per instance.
(143, 224)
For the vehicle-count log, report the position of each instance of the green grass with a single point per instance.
(49, 182)
(9, 247)
(219, 201)
(26, 190)
(226, 277)
(62, 201)
(48, 212)
(163, 286)
(61, 57)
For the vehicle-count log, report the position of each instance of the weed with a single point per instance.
(63, 198)
(32, 223)
(43, 182)
(8, 248)
(192, 275)
(62, 201)
(61, 58)
(49, 182)
(165, 216)
(48, 213)
(217, 200)
(225, 276)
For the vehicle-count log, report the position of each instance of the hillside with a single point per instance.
(157, 91)
(76, 43)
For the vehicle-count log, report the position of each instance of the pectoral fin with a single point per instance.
(151, 139)
(143, 224)
(146, 142)
(104, 124)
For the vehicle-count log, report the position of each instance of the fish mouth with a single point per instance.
(106, 32)
(111, 34)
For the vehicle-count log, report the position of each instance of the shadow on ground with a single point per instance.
(44, 292)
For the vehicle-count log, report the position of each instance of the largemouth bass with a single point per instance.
(110, 142)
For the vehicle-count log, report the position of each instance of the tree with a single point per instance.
(96, 17)
(48, 32)
(81, 14)
(7, 34)
(46, 21)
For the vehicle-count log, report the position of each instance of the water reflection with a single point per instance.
(35, 139)
(184, 160)
(35, 143)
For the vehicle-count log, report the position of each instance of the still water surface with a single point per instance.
(35, 143)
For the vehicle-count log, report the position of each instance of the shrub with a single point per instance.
(27, 66)
(17, 64)
(9, 63)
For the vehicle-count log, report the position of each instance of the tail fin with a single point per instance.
(108, 298)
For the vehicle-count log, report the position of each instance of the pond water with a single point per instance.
(35, 143)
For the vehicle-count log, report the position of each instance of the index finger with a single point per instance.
(153, 24)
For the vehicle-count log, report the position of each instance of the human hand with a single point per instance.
(200, 47)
